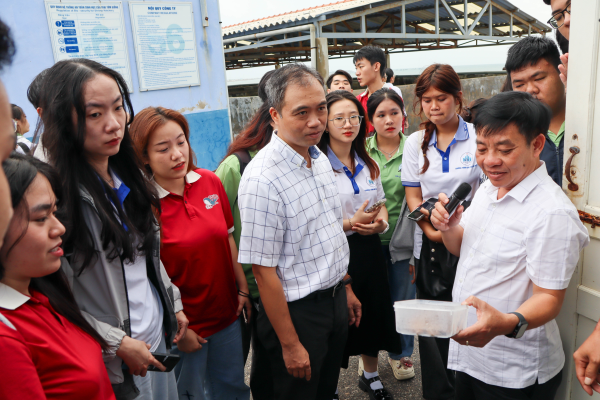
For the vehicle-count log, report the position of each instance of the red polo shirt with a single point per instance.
(47, 354)
(195, 251)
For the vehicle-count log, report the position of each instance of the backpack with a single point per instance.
(244, 158)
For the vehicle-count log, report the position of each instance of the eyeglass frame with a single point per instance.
(561, 12)
(360, 118)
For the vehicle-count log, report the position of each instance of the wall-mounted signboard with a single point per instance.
(89, 29)
(165, 44)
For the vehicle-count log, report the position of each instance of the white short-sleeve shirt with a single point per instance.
(355, 189)
(292, 219)
(532, 235)
(447, 170)
(145, 308)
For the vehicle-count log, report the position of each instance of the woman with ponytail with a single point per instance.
(437, 159)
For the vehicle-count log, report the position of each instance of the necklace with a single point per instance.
(110, 182)
(390, 154)
(350, 168)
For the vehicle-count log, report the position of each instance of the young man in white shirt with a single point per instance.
(519, 244)
(292, 235)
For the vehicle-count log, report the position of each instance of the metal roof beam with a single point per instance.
(264, 44)
(511, 13)
(453, 16)
(366, 12)
(359, 36)
(474, 24)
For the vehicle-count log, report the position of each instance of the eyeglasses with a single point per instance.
(558, 18)
(339, 122)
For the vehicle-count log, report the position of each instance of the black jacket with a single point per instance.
(553, 157)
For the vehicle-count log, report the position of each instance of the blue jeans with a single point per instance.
(157, 385)
(400, 289)
(216, 371)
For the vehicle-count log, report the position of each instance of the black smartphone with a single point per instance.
(168, 360)
(429, 205)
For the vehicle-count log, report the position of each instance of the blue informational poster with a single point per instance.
(165, 44)
(89, 29)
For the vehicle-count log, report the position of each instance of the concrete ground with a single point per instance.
(348, 384)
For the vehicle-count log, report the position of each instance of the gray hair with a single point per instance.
(278, 83)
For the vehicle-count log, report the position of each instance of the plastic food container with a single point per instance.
(430, 318)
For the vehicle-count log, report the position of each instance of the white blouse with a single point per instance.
(355, 189)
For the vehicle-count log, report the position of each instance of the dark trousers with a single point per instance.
(247, 326)
(321, 322)
(438, 380)
(469, 388)
(261, 378)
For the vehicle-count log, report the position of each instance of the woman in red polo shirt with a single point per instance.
(49, 350)
(200, 256)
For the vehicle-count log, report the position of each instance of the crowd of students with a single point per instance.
(121, 255)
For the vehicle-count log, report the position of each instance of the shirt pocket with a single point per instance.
(504, 245)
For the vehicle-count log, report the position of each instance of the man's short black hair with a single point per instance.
(388, 74)
(338, 72)
(7, 46)
(547, 2)
(289, 74)
(373, 55)
(529, 50)
(530, 116)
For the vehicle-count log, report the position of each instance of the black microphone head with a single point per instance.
(463, 191)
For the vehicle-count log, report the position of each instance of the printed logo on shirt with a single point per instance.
(399, 167)
(371, 182)
(467, 159)
(211, 201)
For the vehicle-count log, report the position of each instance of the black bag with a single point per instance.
(436, 269)
(244, 158)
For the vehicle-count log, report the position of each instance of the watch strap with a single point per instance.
(522, 321)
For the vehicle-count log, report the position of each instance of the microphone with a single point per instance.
(459, 195)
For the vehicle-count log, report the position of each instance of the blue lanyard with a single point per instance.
(121, 193)
(359, 167)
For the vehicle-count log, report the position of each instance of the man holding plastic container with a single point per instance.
(519, 244)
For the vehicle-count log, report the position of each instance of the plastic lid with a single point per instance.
(430, 305)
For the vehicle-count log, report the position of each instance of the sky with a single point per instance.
(236, 11)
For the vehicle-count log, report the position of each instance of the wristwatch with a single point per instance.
(521, 327)
(347, 281)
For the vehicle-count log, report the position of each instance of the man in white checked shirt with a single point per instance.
(519, 243)
(292, 235)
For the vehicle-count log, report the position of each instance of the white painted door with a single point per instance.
(581, 309)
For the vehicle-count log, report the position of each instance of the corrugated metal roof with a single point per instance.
(343, 5)
(298, 15)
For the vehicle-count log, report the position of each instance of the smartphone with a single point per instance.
(168, 360)
(429, 205)
(374, 206)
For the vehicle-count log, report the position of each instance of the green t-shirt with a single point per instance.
(556, 137)
(391, 181)
(229, 174)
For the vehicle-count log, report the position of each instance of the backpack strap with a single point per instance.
(24, 147)
(244, 158)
